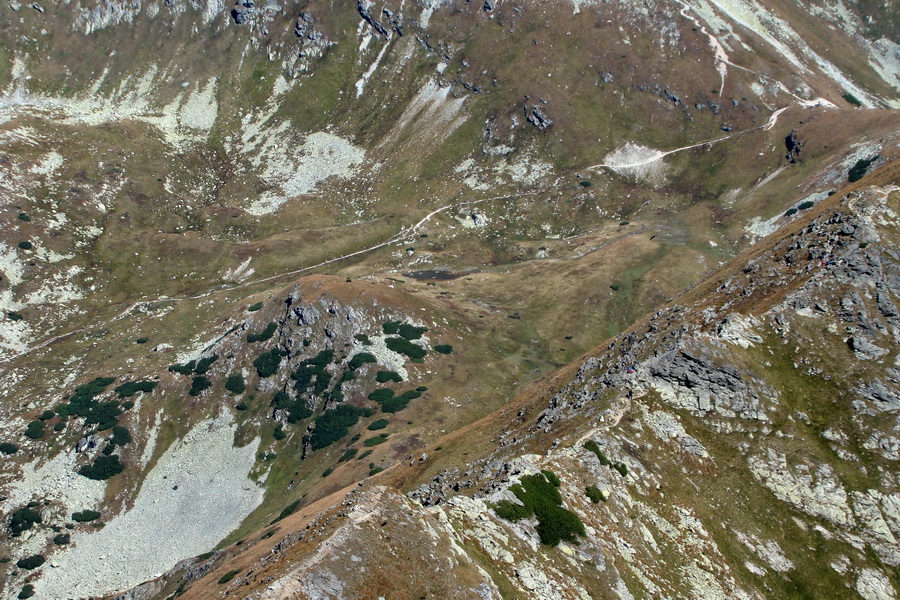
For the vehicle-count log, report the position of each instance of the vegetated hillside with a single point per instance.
(737, 443)
(260, 139)
(253, 254)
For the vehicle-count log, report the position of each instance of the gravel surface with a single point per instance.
(196, 495)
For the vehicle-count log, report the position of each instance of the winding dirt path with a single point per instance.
(403, 234)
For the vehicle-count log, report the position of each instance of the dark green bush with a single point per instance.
(47, 415)
(350, 453)
(35, 430)
(13, 316)
(22, 519)
(120, 436)
(334, 424)
(127, 405)
(348, 376)
(327, 472)
(255, 307)
(422, 388)
(404, 330)
(235, 384)
(204, 364)
(790, 212)
(228, 577)
(858, 171)
(266, 334)
(443, 348)
(103, 468)
(361, 337)
(594, 493)
(31, 562)
(127, 390)
(85, 516)
(185, 369)
(376, 440)
(198, 384)
(267, 363)
(593, 447)
(26, 245)
(288, 511)
(7, 448)
(360, 359)
(539, 497)
(241, 406)
(621, 468)
(62, 539)
(59, 426)
(806, 205)
(297, 409)
(375, 471)
(404, 346)
(379, 424)
(552, 478)
(381, 394)
(851, 99)
(142, 340)
(27, 591)
(511, 511)
(364, 454)
(396, 404)
(24, 217)
(279, 433)
(385, 376)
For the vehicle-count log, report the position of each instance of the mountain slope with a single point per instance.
(756, 441)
